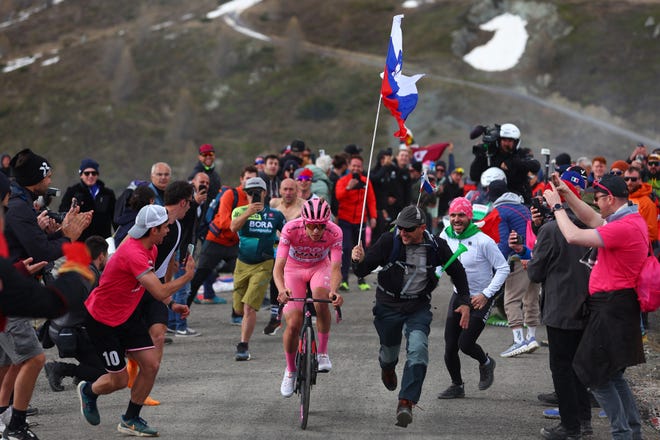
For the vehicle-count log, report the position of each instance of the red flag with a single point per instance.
(430, 152)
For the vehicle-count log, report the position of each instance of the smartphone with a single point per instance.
(191, 249)
(519, 239)
(74, 202)
(256, 197)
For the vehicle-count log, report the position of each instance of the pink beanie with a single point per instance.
(461, 205)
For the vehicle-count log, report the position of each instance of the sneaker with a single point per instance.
(31, 411)
(453, 392)
(531, 345)
(273, 325)
(53, 375)
(404, 413)
(236, 320)
(602, 414)
(22, 433)
(170, 330)
(198, 299)
(514, 350)
(188, 332)
(389, 378)
(324, 363)
(150, 401)
(214, 300)
(344, 286)
(486, 374)
(586, 428)
(363, 285)
(288, 383)
(136, 426)
(242, 353)
(549, 398)
(88, 405)
(5, 418)
(551, 413)
(559, 433)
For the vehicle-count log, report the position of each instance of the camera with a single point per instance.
(57, 216)
(542, 207)
(202, 189)
(356, 176)
(519, 239)
(490, 137)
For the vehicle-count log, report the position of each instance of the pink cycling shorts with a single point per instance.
(297, 275)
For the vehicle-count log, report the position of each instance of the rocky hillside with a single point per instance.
(129, 82)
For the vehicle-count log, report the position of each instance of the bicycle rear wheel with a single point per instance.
(307, 365)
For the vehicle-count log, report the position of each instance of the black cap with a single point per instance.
(352, 149)
(409, 217)
(496, 189)
(297, 146)
(610, 184)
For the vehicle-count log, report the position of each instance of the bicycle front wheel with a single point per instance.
(307, 372)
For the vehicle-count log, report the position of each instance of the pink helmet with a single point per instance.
(316, 211)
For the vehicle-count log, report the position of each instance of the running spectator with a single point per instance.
(115, 322)
(350, 192)
(309, 253)
(256, 225)
(640, 194)
(612, 339)
(161, 173)
(408, 257)
(486, 270)
(91, 194)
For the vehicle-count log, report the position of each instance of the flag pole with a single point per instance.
(371, 155)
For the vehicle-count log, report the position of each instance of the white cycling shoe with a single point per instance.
(324, 362)
(288, 383)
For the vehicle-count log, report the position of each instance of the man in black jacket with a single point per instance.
(408, 258)
(91, 194)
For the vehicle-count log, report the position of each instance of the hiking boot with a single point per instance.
(88, 405)
(273, 325)
(549, 398)
(486, 374)
(453, 392)
(516, 349)
(586, 428)
(344, 286)
(324, 363)
(22, 433)
(404, 413)
(560, 433)
(187, 333)
(242, 353)
(288, 383)
(136, 426)
(54, 376)
(363, 285)
(531, 345)
(389, 378)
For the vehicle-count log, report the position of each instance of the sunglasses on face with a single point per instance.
(90, 173)
(631, 179)
(304, 178)
(315, 226)
(410, 229)
(207, 154)
(654, 164)
(616, 173)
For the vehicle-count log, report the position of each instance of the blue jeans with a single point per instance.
(618, 402)
(350, 233)
(175, 321)
(390, 323)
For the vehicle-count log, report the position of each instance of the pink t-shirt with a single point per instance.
(119, 290)
(296, 245)
(626, 245)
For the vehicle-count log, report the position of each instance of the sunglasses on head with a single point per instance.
(410, 229)
(90, 173)
(631, 179)
(616, 173)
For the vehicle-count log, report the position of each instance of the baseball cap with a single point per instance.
(255, 182)
(409, 217)
(206, 148)
(574, 178)
(303, 174)
(610, 184)
(149, 217)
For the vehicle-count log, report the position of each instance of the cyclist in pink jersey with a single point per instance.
(309, 251)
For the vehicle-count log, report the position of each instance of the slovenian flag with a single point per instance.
(399, 91)
(425, 185)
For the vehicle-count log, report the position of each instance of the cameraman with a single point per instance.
(504, 152)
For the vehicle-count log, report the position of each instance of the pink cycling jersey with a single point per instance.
(308, 260)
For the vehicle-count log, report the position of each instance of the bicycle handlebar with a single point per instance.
(313, 300)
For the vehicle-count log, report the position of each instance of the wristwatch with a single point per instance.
(557, 207)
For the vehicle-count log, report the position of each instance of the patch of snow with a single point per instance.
(235, 6)
(504, 50)
(50, 61)
(188, 16)
(410, 4)
(19, 63)
(161, 26)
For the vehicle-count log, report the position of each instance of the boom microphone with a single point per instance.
(477, 131)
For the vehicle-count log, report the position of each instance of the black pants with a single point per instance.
(465, 340)
(574, 403)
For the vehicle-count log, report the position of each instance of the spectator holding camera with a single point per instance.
(504, 152)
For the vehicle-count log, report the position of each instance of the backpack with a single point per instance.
(212, 211)
(648, 287)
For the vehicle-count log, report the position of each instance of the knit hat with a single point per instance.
(29, 168)
(620, 165)
(148, 217)
(88, 163)
(461, 205)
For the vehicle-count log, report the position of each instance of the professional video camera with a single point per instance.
(490, 137)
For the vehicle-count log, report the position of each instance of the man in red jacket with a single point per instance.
(349, 193)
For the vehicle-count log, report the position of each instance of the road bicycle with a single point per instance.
(306, 360)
